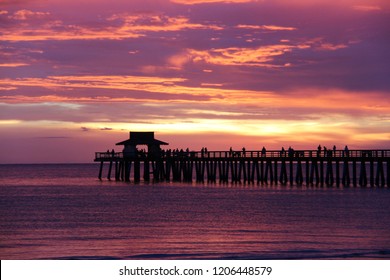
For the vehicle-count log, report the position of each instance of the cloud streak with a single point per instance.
(261, 56)
(266, 27)
(117, 27)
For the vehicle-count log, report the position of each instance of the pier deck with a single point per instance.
(310, 167)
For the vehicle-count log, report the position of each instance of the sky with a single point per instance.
(76, 76)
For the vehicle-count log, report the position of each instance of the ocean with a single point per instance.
(62, 211)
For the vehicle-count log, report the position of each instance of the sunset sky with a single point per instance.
(77, 75)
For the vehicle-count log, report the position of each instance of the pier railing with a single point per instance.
(108, 156)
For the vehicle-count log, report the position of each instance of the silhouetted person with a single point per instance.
(263, 152)
(346, 151)
(290, 151)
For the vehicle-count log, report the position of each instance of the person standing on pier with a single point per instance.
(263, 152)
(283, 152)
(290, 151)
(346, 151)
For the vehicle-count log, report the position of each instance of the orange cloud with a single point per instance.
(27, 14)
(158, 23)
(331, 47)
(23, 99)
(170, 86)
(15, 64)
(71, 32)
(266, 27)
(261, 56)
(130, 27)
(7, 88)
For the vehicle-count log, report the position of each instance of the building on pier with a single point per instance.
(141, 138)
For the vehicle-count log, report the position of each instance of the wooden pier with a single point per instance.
(310, 167)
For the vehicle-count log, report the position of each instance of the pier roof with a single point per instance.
(141, 138)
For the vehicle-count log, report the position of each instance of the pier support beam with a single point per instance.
(199, 170)
(146, 171)
(268, 170)
(346, 179)
(388, 173)
(109, 171)
(283, 173)
(137, 170)
(372, 178)
(307, 163)
(329, 173)
(168, 167)
(127, 167)
(314, 173)
(321, 172)
(380, 176)
(100, 170)
(299, 176)
(363, 174)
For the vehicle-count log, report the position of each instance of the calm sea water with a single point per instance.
(65, 212)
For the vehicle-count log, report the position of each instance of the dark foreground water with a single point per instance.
(64, 212)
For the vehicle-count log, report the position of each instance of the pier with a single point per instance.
(364, 168)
